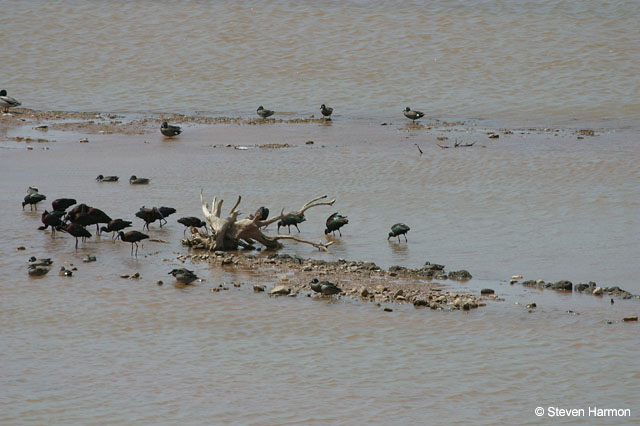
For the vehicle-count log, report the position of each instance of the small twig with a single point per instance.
(418, 148)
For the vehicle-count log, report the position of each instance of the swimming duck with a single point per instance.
(169, 130)
(399, 229)
(101, 178)
(326, 111)
(291, 220)
(335, 222)
(37, 271)
(134, 180)
(65, 272)
(184, 276)
(264, 113)
(7, 101)
(33, 200)
(413, 115)
(45, 261)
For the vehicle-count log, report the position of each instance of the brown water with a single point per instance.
(98, 349)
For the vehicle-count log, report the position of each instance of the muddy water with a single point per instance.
(99, 349)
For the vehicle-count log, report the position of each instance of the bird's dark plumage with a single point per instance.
(399, 229)
(7, 101)
(134, 180)
(115, 225)
(51, 220)
(262, 213)
(33, 199)
(264, 113)
(101, 178)
(335, 222)
(169, 130)
(75, 230)
(191, 221)
(184, 276)
(132, 237)
(325, 288)
(291, 220)
(62, 204)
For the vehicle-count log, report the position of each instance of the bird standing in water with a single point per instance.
(335, 222)
(169, 130)
(264, 113)
(33, 199)
(51, 220)
(291, 220)
(76, 231)
(132, 237)
(413, 115)
(399, 229)
(326, 111)
(7, 101)
(115, 225)
(191, 221)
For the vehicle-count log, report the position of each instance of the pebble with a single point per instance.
(159, 282)
(531, 305)
(280, 290)
(257, 288)
(630, 318)
(516, 277)
(487, 291)
(597, 291)
(388, 310)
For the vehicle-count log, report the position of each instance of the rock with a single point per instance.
(21, 248)
(487, 291)
(309, 142)
(630, 318)
(512, 282)
(89, 258)
(229, 260)
(419, 302)
(380, 288)
(396, 268)
(391, 310)
(283, 279)
(531, 305)
(460, 275)
(597, 291)
(84, 140)
(429, 265)
(398, 293)
(494, 136)
(124, 276)
(516, 277)
(160, 282)
(257, 288)
(280, 290)
(364, 292)
(401, 298)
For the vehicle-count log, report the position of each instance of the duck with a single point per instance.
(134, 180)
(45, 261)
(264, 113)
(183, 275)
(291, 220)
(169, 130)
(37, 271)
(33, 199)
(413, 115)
(397, 230)
(132, 237)
(64, 272)
(101, 178)
(325, 288)
(326, 111)
(335, 222)
(7, 101)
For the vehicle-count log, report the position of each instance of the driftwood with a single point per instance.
(230, 233)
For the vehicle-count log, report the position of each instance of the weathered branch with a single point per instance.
(300, 212)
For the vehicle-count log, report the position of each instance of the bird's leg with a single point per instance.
(297, 227)
(398, 237)
(339, 232)
(405, 238)
(76, 243)
(131, 249)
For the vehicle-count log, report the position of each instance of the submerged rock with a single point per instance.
(461, 275)
(630, 318)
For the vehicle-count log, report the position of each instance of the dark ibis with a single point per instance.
(62, 204)
(399, 229)
(291, 220)
(75, 230)
(33, 199)
(115, 225)
(262, 213)
(335, 222)
(132, 237)
(191, 221)
(51, 220)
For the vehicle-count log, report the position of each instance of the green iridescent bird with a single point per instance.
(33, 199)
(335, 222)
(399, 229)
(291, 220)
(264, 113)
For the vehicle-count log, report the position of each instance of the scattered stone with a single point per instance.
(20, 248)
(516, 277)
(531, 305)
(512, 282)
(380, 288)
(309, 142)
(597, 291)
(257, 288)
(89, 258)
(419, 302)
(364, 292)
(494, 136)
(461, 275)
(124, 276)
(280, 290)
(563, 285)
(159, 282)
(84, 140)
(487, 291)
(398, 293)
(391, 310)
(630, 318)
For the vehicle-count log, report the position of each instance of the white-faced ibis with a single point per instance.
(335, 222)
(43, 261)
(413, 115)
(169, 131)
(191, 221)
(264, 113)
(326, 111)
(165, 212)
(76, 231)
(115, 225)
(184, 276)
(101, 178)
(52, 220)
(134, 180)
(62, 204)
(33, 200)
(262, 213)
(7, 101)
(153, 214)
(291, 220)
(132, 237)
(399, 229)
(32, 190)
(325, 288)
(89, 216)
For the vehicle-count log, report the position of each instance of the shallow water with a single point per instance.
(97, 349)
(546, 61)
